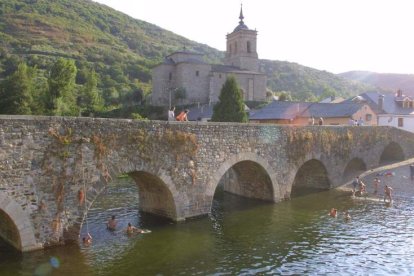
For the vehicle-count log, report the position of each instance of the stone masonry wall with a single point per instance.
(47, 163)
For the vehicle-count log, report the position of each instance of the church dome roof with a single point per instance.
(241, 26)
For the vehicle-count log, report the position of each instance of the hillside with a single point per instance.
(303, 82)
(122, 50)
(389, 82)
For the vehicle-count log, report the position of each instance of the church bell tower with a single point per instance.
(241, 47)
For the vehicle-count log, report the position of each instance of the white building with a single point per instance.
(392, 110)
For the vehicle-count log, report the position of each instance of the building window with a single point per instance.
(219, 76)
(368, 117)
(230, 48)
(248, 47)
(170, 76)
(235, 47)
(197, 73)
(400, 122)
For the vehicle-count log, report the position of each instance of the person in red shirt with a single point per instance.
(182, 116)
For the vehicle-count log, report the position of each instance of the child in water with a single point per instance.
(87, 240)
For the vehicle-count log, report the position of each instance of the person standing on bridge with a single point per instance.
(320, 122)
(171, 115)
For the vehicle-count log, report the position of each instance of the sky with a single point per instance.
(332, 35)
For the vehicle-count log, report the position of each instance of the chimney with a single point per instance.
(399, 93)
(332, 98)
(380, 102)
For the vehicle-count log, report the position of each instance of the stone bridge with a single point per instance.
(48, 164)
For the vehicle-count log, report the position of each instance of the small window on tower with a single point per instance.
(197, 73)
(248, 47)
(219, 76)
(170, 76)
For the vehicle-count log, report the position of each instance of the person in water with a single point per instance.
(355, 184)
(388, 193)
(111, 224)
(132, 229)
(347, 216)
(376, 184)
(333, 213)
(87, 240)
(362, 187)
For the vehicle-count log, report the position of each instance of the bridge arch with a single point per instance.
(355, 167)
(311, 176)
(157, 195)
(393, 152)
(15, 226)
(250, 176)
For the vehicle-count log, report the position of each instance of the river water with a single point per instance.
(240, 237)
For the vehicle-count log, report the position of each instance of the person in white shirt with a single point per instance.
(171, 115)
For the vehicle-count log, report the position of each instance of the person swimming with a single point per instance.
(333, 213)
(87, 240)
(347, 216)
(132, 229)
(111, 224)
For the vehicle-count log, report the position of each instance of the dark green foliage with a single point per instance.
(61, 99)
(230, 107)
(89, 100)
(16, 92)
(283, 96)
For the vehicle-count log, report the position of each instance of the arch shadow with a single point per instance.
(155, 197)
(248, 179)
(16, 227)
(247, 175)
(354, 167)
(311, 177)
(392, 153)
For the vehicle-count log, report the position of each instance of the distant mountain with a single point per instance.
(122, 50)
(389, 82)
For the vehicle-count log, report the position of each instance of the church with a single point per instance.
(202, 82)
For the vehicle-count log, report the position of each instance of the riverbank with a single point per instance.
(396, 175)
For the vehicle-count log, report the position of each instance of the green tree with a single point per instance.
(62, 96)
(230, 107)
(90, 100)
(285, 96)
(16, 91)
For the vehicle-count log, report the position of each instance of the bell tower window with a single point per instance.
(249, 50)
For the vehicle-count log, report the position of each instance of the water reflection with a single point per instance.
(241, 236)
